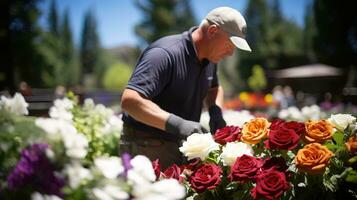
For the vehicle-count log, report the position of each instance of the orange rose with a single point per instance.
(255, 130)
(318, 131)
(313, 158)
(351, 145)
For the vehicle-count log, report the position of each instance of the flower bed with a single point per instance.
(73, 155)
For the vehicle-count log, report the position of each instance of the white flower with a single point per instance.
(19, 105)
(198, 146)
(342, 121)
(88, 104)
(59, 130)
(16, 105)
(232, 150)
(237, 118)
(113, 124)
(76, 145)
(101, 110)
(39, 196)
(291, 113)
(161, 190)
(142, 171)
(110, 167)
(61, 109)
(110, 192)
(51, 126)
(76, 173)
(311, 112)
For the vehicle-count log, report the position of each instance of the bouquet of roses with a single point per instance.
(271, 160)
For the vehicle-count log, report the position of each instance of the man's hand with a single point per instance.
(184, 128)
(216, 119)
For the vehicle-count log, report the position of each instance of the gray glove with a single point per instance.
(182, 127)
(216, 120)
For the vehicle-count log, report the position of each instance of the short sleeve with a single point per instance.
(152, 72)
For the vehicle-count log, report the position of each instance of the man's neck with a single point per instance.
(197, 39)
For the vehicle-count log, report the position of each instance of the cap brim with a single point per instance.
(240, 43)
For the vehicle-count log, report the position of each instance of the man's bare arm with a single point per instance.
(143, 110)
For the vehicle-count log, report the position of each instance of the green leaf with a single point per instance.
(353, 159)
(338, 138)
(331, 147)
(352, 177)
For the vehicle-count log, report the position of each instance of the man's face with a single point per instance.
(220, 46)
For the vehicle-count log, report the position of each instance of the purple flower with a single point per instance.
(34, 169)
(126, 163)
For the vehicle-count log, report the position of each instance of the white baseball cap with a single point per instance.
(232, 22)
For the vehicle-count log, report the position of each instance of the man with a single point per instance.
(173, 78)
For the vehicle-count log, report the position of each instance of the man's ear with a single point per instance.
(212, 30)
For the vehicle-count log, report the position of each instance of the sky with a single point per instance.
(116, 18)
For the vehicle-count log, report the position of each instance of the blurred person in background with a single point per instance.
(174, 77)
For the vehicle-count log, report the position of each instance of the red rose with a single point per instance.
(245, 168)
(156, 167)
(275, 124)
(227, 134)
(173, 172)
(298, 127)
(277, 163)
(271, 184)
(282, 138)
(208, 176)
(194, 164)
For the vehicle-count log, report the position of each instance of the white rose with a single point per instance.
(232, 150)
(161, 190)
(110, 167)
(342, 121)
(198, 146)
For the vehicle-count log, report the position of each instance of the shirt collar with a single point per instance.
(192, 48)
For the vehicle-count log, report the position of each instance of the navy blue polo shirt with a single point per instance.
(169, 73)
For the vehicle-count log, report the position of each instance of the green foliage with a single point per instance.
(60, 66)
(163, 17)
(257, 82)
(336, 25)
(19, 29)
(116, 77)
(53, 19)
(90, 47)
(271, 36)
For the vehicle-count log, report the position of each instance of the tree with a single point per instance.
(163, 17)
(19, 31)
(53, 19)
(71, 66)
(309, 33)
(335, 42)
(90, 46)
